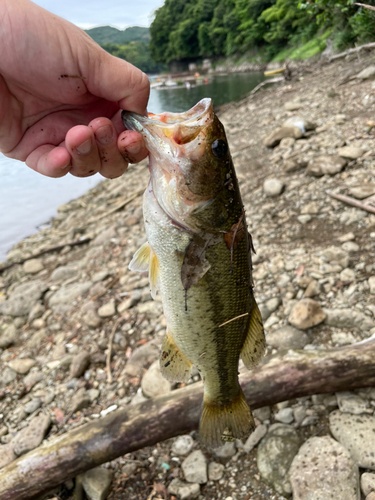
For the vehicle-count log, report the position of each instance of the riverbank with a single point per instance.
(59, 312)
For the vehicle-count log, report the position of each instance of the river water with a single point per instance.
(28, 199)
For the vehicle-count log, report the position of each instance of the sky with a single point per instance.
(90, 13)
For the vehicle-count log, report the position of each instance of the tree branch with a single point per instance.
(279, 378)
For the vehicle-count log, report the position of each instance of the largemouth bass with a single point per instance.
(198, 255)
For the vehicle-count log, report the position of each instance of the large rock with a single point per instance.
(275, 137)
(153, 383)
(325, 165)
(324, 470)
(287, 337)
(357, 434)
(67, 294)
(30, 437)
(23, 298)
(306, 314)
(97, 482)
(348, 318)
(275, 454)
(366, 73)
(195, 467)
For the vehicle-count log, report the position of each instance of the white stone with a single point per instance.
(273, 187)
(183, 445)
(153, 383)
(195, 467)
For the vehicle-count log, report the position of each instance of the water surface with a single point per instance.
(28, 199)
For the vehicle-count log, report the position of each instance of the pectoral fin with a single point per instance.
(145, 260)
(255, 343)
(174, 366)
(141, 260)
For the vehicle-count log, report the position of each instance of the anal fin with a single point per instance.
(255, 343)
(221, 423)
(174, 365)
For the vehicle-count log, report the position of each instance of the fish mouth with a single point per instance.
(177, 144)
(172, 135)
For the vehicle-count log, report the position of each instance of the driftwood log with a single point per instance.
(356, 50)
(279, 378)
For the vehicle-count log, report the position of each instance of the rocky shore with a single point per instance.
(66, 312)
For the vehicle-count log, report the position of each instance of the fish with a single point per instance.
(198, 256)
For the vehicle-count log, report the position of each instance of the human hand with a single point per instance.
(61, 97)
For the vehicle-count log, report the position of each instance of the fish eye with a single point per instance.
(219, 148)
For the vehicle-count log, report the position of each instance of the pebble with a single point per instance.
(23, 298)
(32, 405)
(153, 383)
(21, 365)
(183, 490)
(68, 293)
(348, 318)
(195, 468)
(32, 266)
(362, 191)
(79, 364)
(350, 152)
(367, 482)
(255, 438)
(287, 337)
(304, 219)
(275, 137)
(323, 469)
(107, 310)
(215, 471)
(366, 73)
(273, 187)
(80, 400)
(63, 273)
(31, 436)
(7, 454)
(7, 375)
(371, 284)
(8, 337)
(357, 434)
(306, 314)
(352, 403)
(92, 319)
(141, 358)
(182, 445)
(285, 416)
(347, 275)
(325, 165)
(313, 289)
(262, 414)
(275, 454)
(97, 482)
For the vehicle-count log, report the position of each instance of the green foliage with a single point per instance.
(187, 29)
(108, 34)
(136, 53)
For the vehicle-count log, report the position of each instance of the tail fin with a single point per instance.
(221, 423)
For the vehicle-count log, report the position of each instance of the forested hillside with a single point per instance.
(109, 34)
(189, 29)
(131, 44)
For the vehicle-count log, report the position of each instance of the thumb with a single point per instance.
(116, 80)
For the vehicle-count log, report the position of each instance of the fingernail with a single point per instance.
(84, 148)
(104, 135)
(133, 148)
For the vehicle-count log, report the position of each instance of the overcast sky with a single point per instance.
(90, 13)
